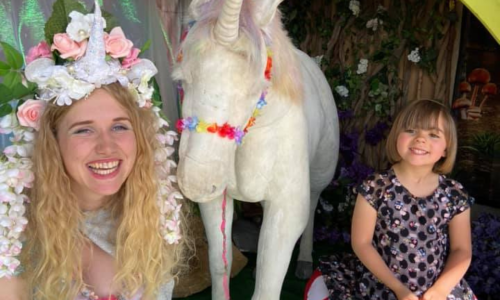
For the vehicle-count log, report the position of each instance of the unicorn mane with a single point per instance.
(286, 81)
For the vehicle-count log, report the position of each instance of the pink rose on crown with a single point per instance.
(67, 47)
(116, 43)
(29, 113)
(42, 50)
(131, 59)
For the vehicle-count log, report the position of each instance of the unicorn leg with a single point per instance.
(220, 264)
(304, 262)
(284, 221)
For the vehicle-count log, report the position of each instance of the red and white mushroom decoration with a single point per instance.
(478, 77)
(463, 103)
(488, 89)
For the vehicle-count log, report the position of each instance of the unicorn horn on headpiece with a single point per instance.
(93, 67)
(227, 27)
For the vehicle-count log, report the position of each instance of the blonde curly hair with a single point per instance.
(53, 254)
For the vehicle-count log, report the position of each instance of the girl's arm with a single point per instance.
(458, 260)
(13, 289)
(363, 226)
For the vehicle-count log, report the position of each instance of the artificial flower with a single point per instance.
(79, 27)
(67, 47)
(131, 59)
(354, 7)
(374, 23)
(342, 91)
(39, 51)
(362, 66)
(29, 113)
(414, 56)
(117, 45)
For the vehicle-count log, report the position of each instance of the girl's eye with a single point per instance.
(410, 130)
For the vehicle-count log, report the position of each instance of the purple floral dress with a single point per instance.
(411, 236)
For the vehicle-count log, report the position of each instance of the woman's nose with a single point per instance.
(105, 143)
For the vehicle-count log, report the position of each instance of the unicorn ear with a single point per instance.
(264, 11)
(195, 7)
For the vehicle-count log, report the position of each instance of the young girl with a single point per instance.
(411, 224)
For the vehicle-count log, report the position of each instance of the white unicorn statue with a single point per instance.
(259, 123)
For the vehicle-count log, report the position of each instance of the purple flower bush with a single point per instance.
(334, 212)
(484, 273)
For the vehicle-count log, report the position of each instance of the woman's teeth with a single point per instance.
(104, 168)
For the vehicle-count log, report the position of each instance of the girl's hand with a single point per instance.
(403, 293)
(13, 289)
(434, 294)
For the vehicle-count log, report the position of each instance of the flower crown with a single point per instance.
(77, 61)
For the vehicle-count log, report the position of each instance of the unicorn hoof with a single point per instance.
(304, 269)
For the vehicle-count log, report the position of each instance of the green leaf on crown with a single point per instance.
(4, 68)
(19, 91)
(5, 109)
(5, 94)
(156, 98)
(14, 58)
(60, 19)
(111, 21)
(145, 46)
(12, 78)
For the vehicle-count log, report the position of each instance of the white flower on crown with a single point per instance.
(79, 27)
(8, 124)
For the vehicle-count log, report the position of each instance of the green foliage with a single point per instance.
(14, 58)
(111, 21)
(12, 87)
(486, 144)
(156, 99)
(60, 19)
(145, 46)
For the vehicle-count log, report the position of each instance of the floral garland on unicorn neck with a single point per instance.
(86, 57)
(226, 130)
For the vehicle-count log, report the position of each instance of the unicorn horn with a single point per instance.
(92, 67)
(227, 27)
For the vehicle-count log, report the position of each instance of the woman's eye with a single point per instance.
(82, 131)
(120, 127)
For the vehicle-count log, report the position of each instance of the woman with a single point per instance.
(103, 222)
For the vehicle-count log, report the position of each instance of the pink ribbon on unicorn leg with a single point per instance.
(225, 281)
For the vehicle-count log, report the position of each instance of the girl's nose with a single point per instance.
(420, 137)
